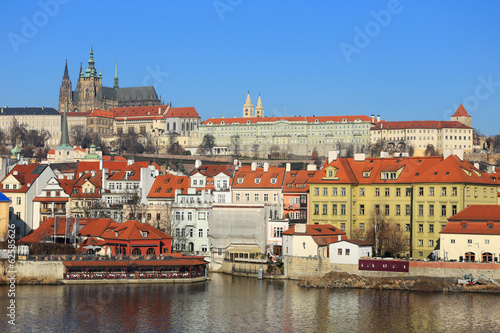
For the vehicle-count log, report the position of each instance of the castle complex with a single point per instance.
(91, 94)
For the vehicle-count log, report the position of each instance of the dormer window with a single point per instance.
(273, 180)
(257, 180)
(464, 225)
(144, 234)
(490, 225)
(116, 234)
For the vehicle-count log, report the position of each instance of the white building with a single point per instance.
(349, 251)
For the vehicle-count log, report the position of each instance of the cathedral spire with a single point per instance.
(81, 69)
(64, 133)
(259, 108)
(66, 75)
(115, 85)
(248, 107)
(91, 71)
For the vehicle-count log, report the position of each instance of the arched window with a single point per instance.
(487, 257)
(182, 126)
(136, 251)
(174, 127)
(192, 126)
(168, 127)
(150, 251)
(470, 256)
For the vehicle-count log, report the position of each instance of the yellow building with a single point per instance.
(415, 194)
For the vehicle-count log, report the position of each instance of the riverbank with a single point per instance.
(346, 280)
(31, 281)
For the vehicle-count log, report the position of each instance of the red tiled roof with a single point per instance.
(122, 263)
(99, 113)
(418, 124)
(211, 170)
(248, 177)
(139, 111)
(344, 173)
(254, 120)
(132, 230)
(24, 176)
(478, 213)
(185, 112)
(297, 181)
(317, 230)
(164, 186)
(461, 112)
(472, 228)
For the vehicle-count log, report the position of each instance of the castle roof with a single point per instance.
(419, 124)
(461, 112)
(29, 111)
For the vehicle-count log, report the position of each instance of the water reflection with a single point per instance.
(231, 304)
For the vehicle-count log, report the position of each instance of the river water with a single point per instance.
(237, 304)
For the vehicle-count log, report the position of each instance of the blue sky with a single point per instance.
(404, 60)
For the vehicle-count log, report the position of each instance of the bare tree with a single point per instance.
(314, 155)
(79, 136)
(235, 145)
(93, 209)
(430, 150)
(255, 151)
(274, 152)
(387, 236)
(37, 138)
(208, 143)
(17, 133)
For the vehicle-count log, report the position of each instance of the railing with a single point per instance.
(146, 275)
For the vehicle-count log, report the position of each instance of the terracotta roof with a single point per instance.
(472, 228)
(211, 170)
(461, 112)
(296, 181)
(24, 174)
(326, 240)
(139, 111)
(317, 230)
(246, 178)
(164, 186)
(478, 213)
(418, 124)
(344, 173)
(99, 113)
(131, 230)
(185, 112)
(254, 120)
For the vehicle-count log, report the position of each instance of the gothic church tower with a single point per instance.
(248, 107)
(66, 92)
(259, 109)
(88, 85)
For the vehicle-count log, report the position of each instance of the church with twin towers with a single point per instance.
(91, 94)
(248, 110)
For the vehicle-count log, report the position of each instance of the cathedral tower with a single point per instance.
(248, 107)
(65, 92)
(259, 108)
(89, 84)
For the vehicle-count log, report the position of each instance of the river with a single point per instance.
(237, 304)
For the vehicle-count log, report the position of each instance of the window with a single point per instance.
(190, 216)
(361, 209)
(387, 191)
(256, 197)
(443, 210)
(18, 201)
(443, 190)
(361, 192)
(431, 228)
(266, 197)
(148, 216)
(277, 231)
(377, 209)
(484, 192)
(339, 252)
(454, 191)
(334, 209)
(316, 209)
(420, 191)
(377, 192)
(420, 228)
(431, 210)
(257, 180)
(342, 209)
(342, 226)
(398, 192)
(200, 233)
(18, 215)
(453, 209)
(486, 241)
(325, 209)
(408, 210)
(386, 211)
(325, 191)
(237, 197)
(201, 215)
(316, 191)
(421, 243)
(247, 197)
(420, 210)
(347, 252)
(398, 209)
(408, 191)
(431, 191)
(469, 241)
(273, 180)
(334, 191)
(431, 242)
(452, 241)
(330, 173)
(468, 192)
(361, 226)
(407, 227)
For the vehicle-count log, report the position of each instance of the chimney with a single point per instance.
(197, 164)
(384, 154)
(159, 110)
(288, 167)
(340, 238)
(359, 157)
(300, 227)
(100, 164)
(92, 172)
(312, 167)
(130, 162)
(446, 153)
(266, 166)
(373, 118)
(476, 165)
(43, 107)
(459, 153)
(332, 155)
(378, 118)
(254, 166)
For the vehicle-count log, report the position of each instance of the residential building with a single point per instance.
(416, 194)
(217, 178)
(260, 185)
(21, 185)
(310, 240)
(4, 217)
(275, 229)
(35, 118)
(472, 234)
(349, 251)
(100, 122)
(52, 202)
(296, 195)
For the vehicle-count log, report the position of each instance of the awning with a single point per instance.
(244, 249)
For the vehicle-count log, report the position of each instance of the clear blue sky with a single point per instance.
(305, 58)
